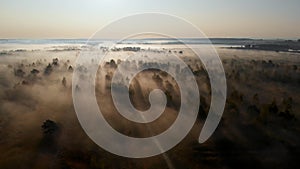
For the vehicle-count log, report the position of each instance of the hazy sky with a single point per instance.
(216, 18)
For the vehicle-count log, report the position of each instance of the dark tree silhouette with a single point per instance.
(273, 108)
(70, 68)
(64, 82)
(50, 131)
(48, 69)
(34, 71)
(55, 62)
(112, 64)
(203, 108)
(49, 127)
(287, 112)
(19, 73)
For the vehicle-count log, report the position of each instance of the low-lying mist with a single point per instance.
(259, 127)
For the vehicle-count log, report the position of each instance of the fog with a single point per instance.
(259, 127)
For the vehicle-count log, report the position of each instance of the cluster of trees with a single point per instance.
(32, 76)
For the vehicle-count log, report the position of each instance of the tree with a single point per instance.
(273, 108)
(64, 82)
(34, 71)
(19, 73)
(50, 133)
(70, 69)
(55, 62)
(48, 69)
(113, 64)
(49, 127)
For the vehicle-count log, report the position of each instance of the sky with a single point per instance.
(39, 19)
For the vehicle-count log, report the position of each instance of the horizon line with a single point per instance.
(154, 38)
